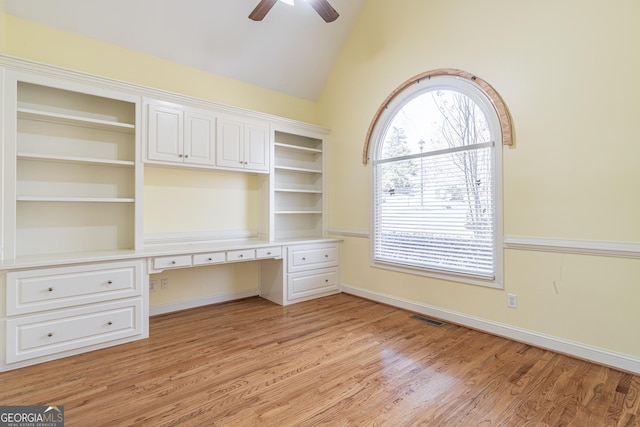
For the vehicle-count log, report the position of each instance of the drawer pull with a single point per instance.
(241, 256)
(304, 259)
(50, 289)
(268, 253)
(50, 334)
(173, 262)
(326, 256)
(209, 259)
(109, 323)
(109, 282)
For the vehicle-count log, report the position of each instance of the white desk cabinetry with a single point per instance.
(74, 264)
(56, 312)
(308, 271)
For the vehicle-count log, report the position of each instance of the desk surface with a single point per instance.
(33, 261)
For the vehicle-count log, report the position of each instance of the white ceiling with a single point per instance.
(291, 51)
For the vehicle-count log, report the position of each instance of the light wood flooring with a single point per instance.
(335, 361)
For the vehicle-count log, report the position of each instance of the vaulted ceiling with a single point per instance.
(291, 51)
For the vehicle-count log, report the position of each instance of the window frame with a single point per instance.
(378, 131)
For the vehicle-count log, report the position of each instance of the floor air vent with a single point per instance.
(427, 320)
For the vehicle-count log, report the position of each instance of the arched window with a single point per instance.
(437, 179)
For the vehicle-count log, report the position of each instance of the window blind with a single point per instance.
(435, 210)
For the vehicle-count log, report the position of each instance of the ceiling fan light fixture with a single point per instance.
(324, 9)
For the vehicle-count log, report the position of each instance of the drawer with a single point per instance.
(243, 255)
(212, 258)
(304, 284)
(31, 291)
(46, 334)
(305, 257)
(270, 252)
(162, 263)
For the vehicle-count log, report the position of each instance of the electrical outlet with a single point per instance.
(164, 283)
(512, 300)
(152, 285)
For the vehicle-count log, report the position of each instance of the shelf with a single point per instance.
(297, 148)
(293, 169)
(72, 159)
(298, 212)
(47, 116)
(75, 199)
(294, 190)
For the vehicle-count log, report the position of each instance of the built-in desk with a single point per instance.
(64, 304)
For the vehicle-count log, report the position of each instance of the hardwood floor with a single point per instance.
(335, 361)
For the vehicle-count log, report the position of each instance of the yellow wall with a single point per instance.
(568, 72)
(192, 284)
(224, 201)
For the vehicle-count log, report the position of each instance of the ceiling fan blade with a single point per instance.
(324, 9)
(262, 9)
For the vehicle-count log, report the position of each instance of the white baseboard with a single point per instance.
(594, 354)
(199, 302)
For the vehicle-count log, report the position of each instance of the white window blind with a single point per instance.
(435, 210)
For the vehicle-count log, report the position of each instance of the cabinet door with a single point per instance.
(199, 139)
(165, 142)
(256, 148)
(229, 151)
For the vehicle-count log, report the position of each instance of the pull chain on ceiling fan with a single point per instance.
(324, 9)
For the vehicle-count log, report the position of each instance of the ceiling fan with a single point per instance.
(324, 9)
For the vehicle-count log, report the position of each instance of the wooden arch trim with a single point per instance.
(501, 108)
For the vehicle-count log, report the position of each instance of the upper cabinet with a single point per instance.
(180, 135)
(71, 176)
(243, 144)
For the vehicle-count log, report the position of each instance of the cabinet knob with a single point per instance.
(241, 256)
(304, 259)
(50, 289)
(326, 280)
(173, 262)
(50, 334)
(180, 155)
(326, 256)
(209, 259)
(268, 253)
(109, 282)
(109, 323)
(186, 155)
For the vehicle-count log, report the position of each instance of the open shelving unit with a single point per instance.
(75, 170)
(298, 185)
